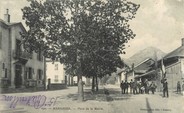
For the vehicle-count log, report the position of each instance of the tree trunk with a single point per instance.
(72, 81)
(96, 83)
(93, 83)
(80, 90)
(80, 82)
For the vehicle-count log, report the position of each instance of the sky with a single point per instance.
(158, 23)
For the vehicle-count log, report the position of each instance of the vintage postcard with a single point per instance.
(91, 56)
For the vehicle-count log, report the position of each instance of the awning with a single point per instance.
(145, 65)
(146, 74)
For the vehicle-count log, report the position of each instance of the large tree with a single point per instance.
(86, 35)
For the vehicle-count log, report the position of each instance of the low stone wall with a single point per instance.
(21, 90)
(56, 86)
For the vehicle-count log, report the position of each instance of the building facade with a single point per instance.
(174, 67)
(55, 72)
(151, 69)
(18, 68)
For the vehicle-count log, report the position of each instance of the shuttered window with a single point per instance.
(6, 73)
(30, 73)
(40, 74)
(56, 78)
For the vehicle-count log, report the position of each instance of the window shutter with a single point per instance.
(41, 74)
(37, 74)
(32, 73)
(26, 72)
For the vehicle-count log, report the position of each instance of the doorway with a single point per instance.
(18, 77)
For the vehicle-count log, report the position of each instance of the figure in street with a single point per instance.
(178, 87)
(153, 87)
(146, 86)
(126, 86)
(131, 86)
(165, 88)
(139, 87)
(122, 87)
(135, 87)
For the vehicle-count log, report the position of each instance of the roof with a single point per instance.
(120, 70)
(145, 65)
(145, 74)
(179, 52)
(13, 24)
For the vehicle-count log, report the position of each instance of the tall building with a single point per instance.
(18, 68)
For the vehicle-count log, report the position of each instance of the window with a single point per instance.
(56, 66)
(40, 73)
(18, 47)
(6, 73)
(56, 78)
(0, 40)
(30, 72)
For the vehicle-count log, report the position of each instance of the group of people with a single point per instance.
(136, 87)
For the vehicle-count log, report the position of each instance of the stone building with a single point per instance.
(18, 68)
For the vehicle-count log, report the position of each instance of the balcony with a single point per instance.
(21, 56)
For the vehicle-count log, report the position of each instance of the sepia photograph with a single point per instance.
(91, 56)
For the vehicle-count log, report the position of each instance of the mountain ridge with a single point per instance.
(149, 52)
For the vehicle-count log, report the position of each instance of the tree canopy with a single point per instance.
(86, 35)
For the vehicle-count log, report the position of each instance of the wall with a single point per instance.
(4, 51)
(173, 75)
(52, 70)
(130, 76)
(34, 62)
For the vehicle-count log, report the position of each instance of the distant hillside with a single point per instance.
(150, 52)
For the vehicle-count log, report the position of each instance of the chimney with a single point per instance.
(7, 16)
(182, 41)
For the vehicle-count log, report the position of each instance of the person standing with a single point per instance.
(122, 87)
(135, 87)
(139, 87)
(153, 87)
(131, 86)
(178, 87)
(165, 88)
(146, 86)
(126, 86)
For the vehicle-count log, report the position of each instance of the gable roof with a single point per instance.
(145, 65)
(179, 52)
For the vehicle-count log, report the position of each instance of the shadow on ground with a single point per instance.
(114, 95)
(149, 109)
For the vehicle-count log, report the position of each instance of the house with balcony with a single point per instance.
(18, 68)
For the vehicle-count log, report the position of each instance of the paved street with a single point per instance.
(65, 101)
